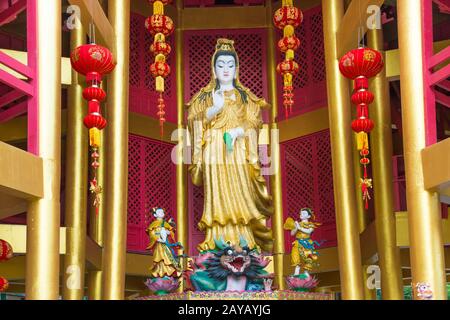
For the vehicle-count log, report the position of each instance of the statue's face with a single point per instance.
(304, 215)
(225, 69)
(159, 213)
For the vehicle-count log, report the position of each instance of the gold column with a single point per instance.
(96, 221)
(76, 185)
(43, 221)
(114, 254)
(182, 212)
(381, 154)
(341, 149)
(275, 178)
(425, 226)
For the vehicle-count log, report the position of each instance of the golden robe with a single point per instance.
(303, 251)
(236, 200)
(164, 262)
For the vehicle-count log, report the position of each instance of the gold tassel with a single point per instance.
(159, 84)
(362, 141)
(290, 54)
(158, 8)
(287, 79)
(94, 138)
(160, 58)
(288, 31)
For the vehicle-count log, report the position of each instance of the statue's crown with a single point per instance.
(225, 45)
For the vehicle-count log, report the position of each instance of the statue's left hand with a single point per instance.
(231, 135)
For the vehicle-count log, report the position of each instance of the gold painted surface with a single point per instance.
(403, 230)
(425, 228)
(224, 17)
(149, 127)
(91, 10)
(341, 149)
(76, 185)
(66, 74)
(11, 206)
(15, 130)
(181, 172)
(138, 264)
(275, 178)
(392, 64)
(94, 283)
(355, 17)
(22, 173)
(43, 220)
(117, 151)
(436, 165)
(94, 255)
(383, 201)
(16, 235)
(304, 124)
(13, 269)
(368, 243)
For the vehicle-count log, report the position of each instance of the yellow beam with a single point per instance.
(94, 255)
(138, 264)
(16, 236)
(149, 127)
(21, 56)
(10, 206)
(393, 60)
(355, 16)
(402, 230)
(92, 11)
(224, 18)
(436, 166)
(304, 124)
(21, 173)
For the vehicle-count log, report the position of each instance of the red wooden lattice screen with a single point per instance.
(143, 97)
(310, 83)
(151, 183)
(308, 182)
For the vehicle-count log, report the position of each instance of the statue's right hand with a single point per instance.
(218, 100)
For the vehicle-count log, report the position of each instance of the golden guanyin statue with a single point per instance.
(224, 119)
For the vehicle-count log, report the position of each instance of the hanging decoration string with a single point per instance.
(160, 27)
(287, 18)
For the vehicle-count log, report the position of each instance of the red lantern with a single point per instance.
(160, 69)
(160, 47)
(287, 15)
(4, 284)
(92, 61)
(159, 24)
(362, 97)
(361, 62)
(6, 251)
(94, 93)
(287, 43)
(362, 125)
(94, 120)
(288, 66)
